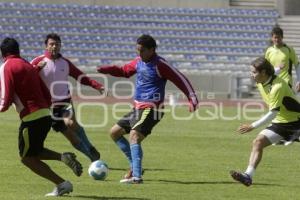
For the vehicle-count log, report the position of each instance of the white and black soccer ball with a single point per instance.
(98, 170)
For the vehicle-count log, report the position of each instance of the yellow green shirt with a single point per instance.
(285, 56)
(279, 96)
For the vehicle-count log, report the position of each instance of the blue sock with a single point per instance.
(82, 136)
(137, 156)
(123, 144)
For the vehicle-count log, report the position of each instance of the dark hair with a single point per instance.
(53, 36)
(146, 41)
(263, 64)
(277, 31)
(9, 46)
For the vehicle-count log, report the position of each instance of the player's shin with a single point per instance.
(123, 144)
(82, 136)
(137, 156)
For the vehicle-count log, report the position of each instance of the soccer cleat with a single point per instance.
(241, 177)
(132, 180)
(70, 160)
(287, 143)
(129, 175)
(64, 188)
(94, 154)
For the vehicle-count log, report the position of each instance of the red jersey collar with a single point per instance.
(11, 56)
(48, 55)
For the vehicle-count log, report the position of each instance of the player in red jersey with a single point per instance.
(21, 85)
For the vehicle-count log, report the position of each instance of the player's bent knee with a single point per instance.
(258, 143)
(115, 135)
(135, 137)
(27, 161)
(116, 132)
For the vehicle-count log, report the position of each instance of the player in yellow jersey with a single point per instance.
(283, 58)
(284, 113)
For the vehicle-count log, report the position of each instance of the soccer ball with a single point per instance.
(98, 170)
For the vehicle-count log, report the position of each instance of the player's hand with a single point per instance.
(278, 68)
(102, 91)
(41, 64)
(193, 103)
(244, 128)
(298, 87)
(101, 69)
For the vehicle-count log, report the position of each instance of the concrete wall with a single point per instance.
(288, 7)
(151, 3)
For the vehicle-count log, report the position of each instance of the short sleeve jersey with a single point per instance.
(279, 96)
(285, 56)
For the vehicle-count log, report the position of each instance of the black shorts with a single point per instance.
(32, 135)
(286, 130)
(59, 111)
(141, 120)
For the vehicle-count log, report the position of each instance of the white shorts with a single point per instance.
(271, 135)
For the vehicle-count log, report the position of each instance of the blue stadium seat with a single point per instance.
(108, 33)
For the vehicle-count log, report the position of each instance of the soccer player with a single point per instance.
(20, 84)
(152, 74)
(283, 57)
(54, 70)
(284, 112)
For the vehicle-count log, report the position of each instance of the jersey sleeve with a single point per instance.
(35, 62)
(6, 88)
(294, 57)
(77, 74)
(181, 82)
(127, 70)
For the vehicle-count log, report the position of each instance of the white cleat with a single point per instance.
(64, 188)
(132, 180)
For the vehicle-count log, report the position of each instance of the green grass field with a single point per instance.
(184, 160)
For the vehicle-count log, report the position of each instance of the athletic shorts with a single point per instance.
(278, 131)
(59, 111)
(32, 135)
(141, 120)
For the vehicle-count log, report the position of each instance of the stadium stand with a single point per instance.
(253, 3)
(217, 40)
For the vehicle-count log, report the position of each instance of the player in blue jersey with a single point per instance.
(152, 73)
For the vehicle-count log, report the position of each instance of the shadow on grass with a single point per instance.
(195, 182)
(106, 198)
(210, 182)
(145, 169)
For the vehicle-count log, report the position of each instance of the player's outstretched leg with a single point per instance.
(90, 151)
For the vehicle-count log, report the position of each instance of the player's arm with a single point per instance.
(267, 118)
(78, 75)
(176, 77)
(297, 69)
(275, 101)
(127, 70)
(6, 88)
(294, 58)
(38, 63)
